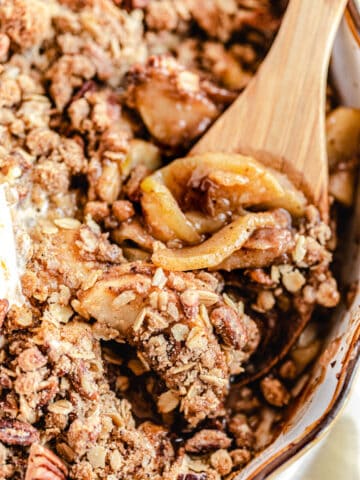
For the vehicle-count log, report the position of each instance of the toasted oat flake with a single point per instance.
(173, 311)
(95, 207)
(229, 301)
(205, 317)
(275, 274)
(67, 223)
(195, 339)
(49, 229)
(207, 298)
(58, 313)
(63, 407)
(300, 249)
(91, 279)
(112, 357)
(159, 278)
(122, 383)
(293, 280)
(124, 298)
(143, 361)
(190, 298)
(116, 460)
(265, 300)
(153, 298)
(76, 305)
(163, 301)
(167, 402)
(213, 380)
(157, 321)
(137, 366)
(140, 319)
(183, 368)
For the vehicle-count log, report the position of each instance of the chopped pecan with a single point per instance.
(206, 441)
(274, 392)
(15, 432)
(31, 359)
(5, 380)
(123, 210)
(259, 275)
(239, 427)
(98, 210)
(48, 390)
(229, 327)
(43, 464)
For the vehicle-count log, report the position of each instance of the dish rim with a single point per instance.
(345, 381)
(352, 17)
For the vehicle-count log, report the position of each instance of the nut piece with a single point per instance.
(274, 392)
(221, 461)
(229, 327)
(31, 359)
(123, 210)
(239, 427)
(43, 464)
(14, 432)
(240, 457)
(206, 441)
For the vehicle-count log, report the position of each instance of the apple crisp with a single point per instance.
(158, 313)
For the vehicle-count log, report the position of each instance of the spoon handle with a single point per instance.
(280, 118)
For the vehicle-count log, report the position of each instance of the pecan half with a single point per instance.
(14, 432)
(44, 465)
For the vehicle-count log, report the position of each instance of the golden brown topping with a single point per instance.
(77, 148)
(26, 24)
(194, 370)
(229, 326)
(239, 427)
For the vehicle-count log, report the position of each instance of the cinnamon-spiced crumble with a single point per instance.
(149, 285)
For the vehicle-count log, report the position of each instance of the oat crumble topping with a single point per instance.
(167, 311)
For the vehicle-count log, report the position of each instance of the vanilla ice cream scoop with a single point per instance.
(10, 286)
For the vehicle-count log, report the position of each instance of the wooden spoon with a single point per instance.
(280, 118)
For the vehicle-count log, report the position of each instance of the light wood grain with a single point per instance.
(280, 117)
